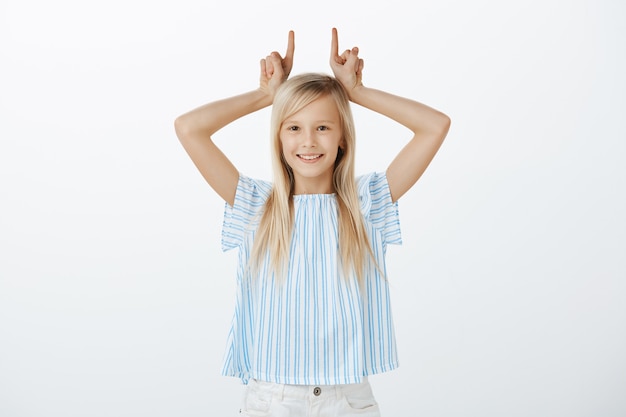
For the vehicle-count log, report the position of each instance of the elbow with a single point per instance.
(444, 122)
(436, 128)
(181, 127)
(443, 125)
(447, 120)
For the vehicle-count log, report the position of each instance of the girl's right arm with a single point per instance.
(195, 128)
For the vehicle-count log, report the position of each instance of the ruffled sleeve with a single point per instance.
(242, 217)
(377, 207)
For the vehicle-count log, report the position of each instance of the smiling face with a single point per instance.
(310, 141)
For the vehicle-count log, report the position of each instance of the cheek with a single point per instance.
(339, 144)
(285, 145)
(282, 147)
(285, 153)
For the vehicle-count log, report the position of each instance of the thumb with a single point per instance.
(359, 70)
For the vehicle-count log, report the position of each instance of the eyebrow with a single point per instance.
(315, 122)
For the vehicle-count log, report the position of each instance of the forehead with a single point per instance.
(323, 108)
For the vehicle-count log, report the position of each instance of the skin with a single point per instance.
(310, 142)
(429, 126)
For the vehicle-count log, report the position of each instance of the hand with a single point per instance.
(347, 67)
(275, 69)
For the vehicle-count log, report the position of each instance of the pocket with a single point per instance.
(360, 399)
(256, 402)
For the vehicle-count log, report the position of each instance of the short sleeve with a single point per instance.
(243, 215)
(377, 207)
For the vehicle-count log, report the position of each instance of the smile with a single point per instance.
(309, 157)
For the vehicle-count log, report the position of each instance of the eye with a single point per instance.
(322, 128)
(293, 128)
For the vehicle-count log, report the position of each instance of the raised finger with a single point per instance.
(334, 44)
(291, 46)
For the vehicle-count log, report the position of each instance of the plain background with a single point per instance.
(509, 291)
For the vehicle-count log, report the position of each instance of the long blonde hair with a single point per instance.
(276, 224)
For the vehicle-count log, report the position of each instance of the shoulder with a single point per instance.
(373, 191)
(251, 190)
(373, 182)
(243, 216)
(377, 207)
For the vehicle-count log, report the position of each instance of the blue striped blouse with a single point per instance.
(317, 327)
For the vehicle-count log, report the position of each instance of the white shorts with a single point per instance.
(268, 399)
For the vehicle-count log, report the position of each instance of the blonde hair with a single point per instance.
(276, 224)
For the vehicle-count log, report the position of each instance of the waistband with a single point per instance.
(307, 391)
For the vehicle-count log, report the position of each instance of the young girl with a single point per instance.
(312, 317)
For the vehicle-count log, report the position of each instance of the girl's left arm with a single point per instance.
(429, 126)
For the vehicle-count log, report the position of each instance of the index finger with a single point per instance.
(334, 44)
(290, 46)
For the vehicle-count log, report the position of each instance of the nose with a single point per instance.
(309, 139)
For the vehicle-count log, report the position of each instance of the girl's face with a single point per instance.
(310, 141)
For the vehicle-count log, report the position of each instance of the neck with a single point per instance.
(313, 186)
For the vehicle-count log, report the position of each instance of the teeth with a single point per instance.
(309, 157)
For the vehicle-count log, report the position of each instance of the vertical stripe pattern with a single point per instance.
(317, 328)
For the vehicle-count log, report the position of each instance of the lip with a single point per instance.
(314, 157)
